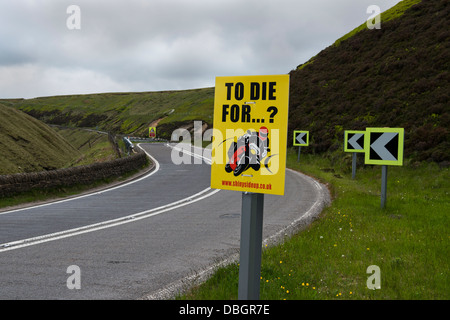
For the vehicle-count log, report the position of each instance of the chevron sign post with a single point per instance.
(384, 146)
(301, 139)
(354, 142)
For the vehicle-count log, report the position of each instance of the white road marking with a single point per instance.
(107, 224)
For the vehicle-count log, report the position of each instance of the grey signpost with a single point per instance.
(354, 142)
(384, 170)
(353, 165)
(251, 245)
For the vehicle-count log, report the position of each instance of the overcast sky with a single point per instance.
(152, 45)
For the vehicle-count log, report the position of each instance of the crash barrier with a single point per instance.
(13, 184)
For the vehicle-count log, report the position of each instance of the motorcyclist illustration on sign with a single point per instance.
(248, 152)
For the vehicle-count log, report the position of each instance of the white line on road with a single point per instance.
(107, 224)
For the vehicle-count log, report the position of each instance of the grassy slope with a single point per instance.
(93, 146)
(27, 144)
(42, 147)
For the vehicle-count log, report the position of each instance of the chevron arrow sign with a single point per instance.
(384, 146)
(354, 141)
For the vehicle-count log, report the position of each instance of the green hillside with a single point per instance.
(93, 146)
(28, 145)
(396, 76)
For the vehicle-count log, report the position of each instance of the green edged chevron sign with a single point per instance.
(354, 141)
(301, 138)
(384, 146)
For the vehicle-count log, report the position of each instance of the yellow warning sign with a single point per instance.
(250, 133)
(152, 132)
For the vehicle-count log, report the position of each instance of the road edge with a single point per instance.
(181, 286)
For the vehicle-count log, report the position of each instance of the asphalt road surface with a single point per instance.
(143, 240)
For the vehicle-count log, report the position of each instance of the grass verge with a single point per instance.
(408, 240)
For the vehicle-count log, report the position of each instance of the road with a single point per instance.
(140, 240)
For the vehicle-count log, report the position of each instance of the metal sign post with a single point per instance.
(251, 243)
(354, 165)
(299, 150)
(384, 146)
